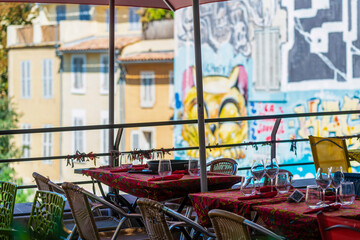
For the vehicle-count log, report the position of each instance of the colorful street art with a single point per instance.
(314, 46)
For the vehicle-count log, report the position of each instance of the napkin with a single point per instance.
(333, 207)
(265, 189)
(261, 195)
(170, 177)
(180, 172)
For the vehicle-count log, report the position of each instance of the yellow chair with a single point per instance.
(329, 152)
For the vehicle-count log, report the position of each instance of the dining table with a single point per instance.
(292, 221)
(286, 218)
(141, 184)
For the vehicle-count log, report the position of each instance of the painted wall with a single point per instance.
(270, 57)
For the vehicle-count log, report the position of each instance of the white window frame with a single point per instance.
(26, 141)
(147, 103)
(83, 75)
(25, 76)
(104, 136)
(47, 78)
(104, 76)
(171, 89)
(47, 144)
(267, 77)
(78, 114)
(143, 144)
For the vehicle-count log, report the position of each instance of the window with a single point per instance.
(78, 69)
(60, 13)
(104, 136)
(78, 119)
(267, 50)
(134, 19)
(26, 142)
(25, 79)
(47, 78)
(107, 19)
(147, 89)
(84, 12)
(143, 139)
(47, 144)
(104, 71)
(171, 90)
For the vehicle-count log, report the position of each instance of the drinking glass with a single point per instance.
(347, 193)
(194, 167)
(313, 196)
(272, 169)
(337, 177)
(283, 182)
(164, 168)
(247, 184)
(323, 180)
(258, 169)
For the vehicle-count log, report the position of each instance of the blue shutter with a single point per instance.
(60, 13)
(84, 12)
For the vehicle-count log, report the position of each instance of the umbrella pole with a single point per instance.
(111, 73)
(199, 93)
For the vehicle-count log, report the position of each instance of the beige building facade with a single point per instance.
(58, 76)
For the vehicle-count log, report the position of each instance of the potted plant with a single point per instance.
(156, 23)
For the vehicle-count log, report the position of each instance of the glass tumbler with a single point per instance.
(347, 193)
(313, 196)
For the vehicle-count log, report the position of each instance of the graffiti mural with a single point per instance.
(324, 42)
(318, 43)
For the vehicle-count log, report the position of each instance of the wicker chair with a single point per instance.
(157, 226)
(223, 165)
(85, 221)
(230, 226)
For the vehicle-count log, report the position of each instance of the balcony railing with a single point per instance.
(272, 142)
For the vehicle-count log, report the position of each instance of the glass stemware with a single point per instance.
(337, 177)
(323, 180)
(247, 184)
(283, 182)
(194, 167)
(272, 169)
(258, 170)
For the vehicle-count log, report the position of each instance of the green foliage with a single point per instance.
(9, 120)
(153, 14)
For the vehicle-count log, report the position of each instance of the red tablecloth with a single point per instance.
(289, 220)
(227, 200)
(137, 184)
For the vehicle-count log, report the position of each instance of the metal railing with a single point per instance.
(272, 142)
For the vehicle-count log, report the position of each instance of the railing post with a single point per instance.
(273, 139)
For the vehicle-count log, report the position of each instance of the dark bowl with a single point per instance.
(175, 165)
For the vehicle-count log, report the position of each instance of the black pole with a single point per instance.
(200, 98)
(111, 73)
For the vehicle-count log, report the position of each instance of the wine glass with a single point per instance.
(272, 169)
(347, 193)
(258, 170)
(323, 180)
(337, 177)
(194, 167)
(283, 182)
(247, 184)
